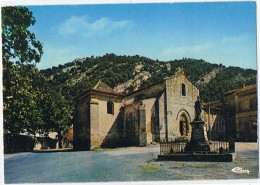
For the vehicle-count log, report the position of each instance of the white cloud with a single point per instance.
(84, 27)
(186, 50)
(235, 39)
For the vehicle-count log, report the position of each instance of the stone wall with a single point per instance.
(81, 127)
(148, 121)
(28, 143)
(241, 113)
(145, 93)
(236, 116)
(94, 126)
(131, 124)
(218, 124)
(162, 116)
(141, 122)
(178, 104)
(246, 126)
(246, 117)
(142, 115)
(152, 120)
(110, 126)
(229, 113)
(94, 123)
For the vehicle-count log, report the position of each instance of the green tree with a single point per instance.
(56, 113)
(22, 110)
(19, 44)
(30, 103)
(19, 47)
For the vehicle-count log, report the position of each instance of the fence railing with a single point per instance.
(216, 147)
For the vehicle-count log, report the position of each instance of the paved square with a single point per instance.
(124, 164)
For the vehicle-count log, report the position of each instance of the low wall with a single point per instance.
(24, 143)
(197, 157)
(19, 143)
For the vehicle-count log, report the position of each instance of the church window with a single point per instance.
(183, 90)
(110, 107)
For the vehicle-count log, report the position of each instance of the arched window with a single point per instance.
(110, 107)
(183, 90)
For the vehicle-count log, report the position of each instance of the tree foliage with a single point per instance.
(22, 108)
(30, 102)
(19, 43)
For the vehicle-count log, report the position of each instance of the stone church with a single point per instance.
(163, 110)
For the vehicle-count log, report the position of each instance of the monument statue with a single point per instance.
(198, 109)
(199, 139)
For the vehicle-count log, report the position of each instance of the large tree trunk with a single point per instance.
(34, 140)
(60, 139)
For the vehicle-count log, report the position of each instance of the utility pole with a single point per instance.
(209, 122)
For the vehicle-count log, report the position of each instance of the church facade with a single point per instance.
(105, 118)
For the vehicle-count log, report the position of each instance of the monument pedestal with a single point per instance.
(198, 149)
(199, 140)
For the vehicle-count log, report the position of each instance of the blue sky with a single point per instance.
(216, 32)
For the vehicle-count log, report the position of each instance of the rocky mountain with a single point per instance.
(129, 73)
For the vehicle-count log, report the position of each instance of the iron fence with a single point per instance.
(216, 147)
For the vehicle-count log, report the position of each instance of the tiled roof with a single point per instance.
(246, 88)
(100, 86)
(239, 90)
(214, 103)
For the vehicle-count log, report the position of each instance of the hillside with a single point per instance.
(129, 73)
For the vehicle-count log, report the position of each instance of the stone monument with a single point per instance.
(198, 149)
(199, 139)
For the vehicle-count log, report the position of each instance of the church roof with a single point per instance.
(100, 86)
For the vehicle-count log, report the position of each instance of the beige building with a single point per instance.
(235, 117)
(215, 119)
(241, 108)
(164, 110)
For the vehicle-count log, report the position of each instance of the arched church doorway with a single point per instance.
(184, 127)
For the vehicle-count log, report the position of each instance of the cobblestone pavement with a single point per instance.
(124, 164)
